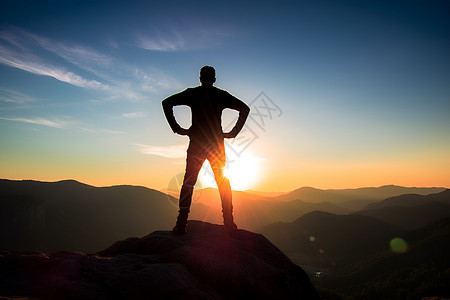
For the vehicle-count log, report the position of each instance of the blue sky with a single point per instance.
(363, 87)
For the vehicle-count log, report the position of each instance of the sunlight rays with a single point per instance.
(244, 171)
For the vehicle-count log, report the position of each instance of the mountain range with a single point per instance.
(359, 248)
(355, 199)
(69, 215)
(338, 236)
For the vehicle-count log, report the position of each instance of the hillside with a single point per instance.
(328, 239)
(354, 199)
(68, 215)
(422, 271)
(410, 217)
(412, 200)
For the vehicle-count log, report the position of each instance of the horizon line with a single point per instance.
(164, 190)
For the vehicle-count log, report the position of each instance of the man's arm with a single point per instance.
(236, 104)
(168, 104)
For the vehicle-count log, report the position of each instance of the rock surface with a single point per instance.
(206, 263)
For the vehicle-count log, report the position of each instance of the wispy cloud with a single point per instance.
(85, 58)
(138, 114)
(181, 39)
(173, 42)
(119, 80)
(97, 130)
(38, 121)
(111, 131)
(16, 97)
(29, 62)
(175, 151)
(66, 124)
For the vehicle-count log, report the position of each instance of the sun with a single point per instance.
(243, 171)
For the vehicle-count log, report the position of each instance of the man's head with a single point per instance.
(207, 75)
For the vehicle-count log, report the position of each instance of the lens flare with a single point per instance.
(399, 245)
(243, 171)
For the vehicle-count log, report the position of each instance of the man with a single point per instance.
(206, 140)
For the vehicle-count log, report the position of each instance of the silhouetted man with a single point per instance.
(206, 140)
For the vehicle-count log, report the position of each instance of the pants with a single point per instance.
(194, 163)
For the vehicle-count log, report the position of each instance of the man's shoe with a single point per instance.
(230, 228)
(179, 229)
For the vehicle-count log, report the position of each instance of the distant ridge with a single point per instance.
(63, 181)
(410, 217)
(70, 182)
(412, 199)
(355, 199)
(411, 211)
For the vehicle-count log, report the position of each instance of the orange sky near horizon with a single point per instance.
(342, 94)
(288, 176)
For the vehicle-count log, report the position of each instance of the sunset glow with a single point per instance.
(244, 172)
(340, 95)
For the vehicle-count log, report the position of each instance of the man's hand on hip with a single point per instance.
(183, 131)
(228, 135)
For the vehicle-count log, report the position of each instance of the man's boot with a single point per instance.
(228, 221)
(180, 227)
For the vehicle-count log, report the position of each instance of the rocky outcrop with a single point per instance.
(206, 263)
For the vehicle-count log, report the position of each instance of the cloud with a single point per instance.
(182, 39)
(82, 57)
(160, 43)
(96, 130)
(119, 80)
(138, 114)
(175, 151)
(13, 96)
(111, 131)
(30, 63)
(61, 124)
(38, 121)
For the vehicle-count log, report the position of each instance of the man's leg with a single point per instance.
(193, 165)
(217, 165)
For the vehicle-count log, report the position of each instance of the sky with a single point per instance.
(343, 94)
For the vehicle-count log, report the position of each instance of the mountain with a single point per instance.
(264, 194)
(291, 210)
(410, 217)
(421, 272)
(412, 200)
(206, 263)
(68, 215)
(326, 239)
(354, 199)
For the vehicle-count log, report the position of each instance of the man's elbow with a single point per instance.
(245, 110)
(166, 104)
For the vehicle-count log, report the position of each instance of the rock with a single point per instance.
(206, 263)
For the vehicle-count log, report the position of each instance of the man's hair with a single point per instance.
(207, 74)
